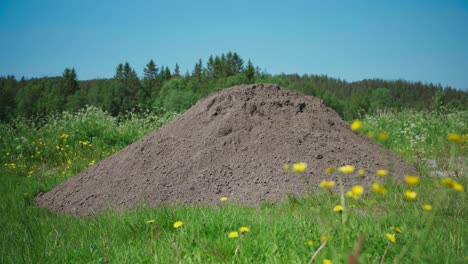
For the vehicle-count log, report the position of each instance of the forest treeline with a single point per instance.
(162, 87)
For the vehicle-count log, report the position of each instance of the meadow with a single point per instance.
(422, 220)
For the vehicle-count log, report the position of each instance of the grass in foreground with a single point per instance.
(287, 232)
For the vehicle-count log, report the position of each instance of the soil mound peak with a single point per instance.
(232, 143)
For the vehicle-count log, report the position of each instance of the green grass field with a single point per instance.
(36, 156)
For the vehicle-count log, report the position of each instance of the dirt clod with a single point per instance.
(232, 143)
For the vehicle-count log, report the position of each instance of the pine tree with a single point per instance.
(218, 68)
(130, 83)
(119, 72)
(229, 64)
(177, 70)
(69, 82)
(223, 66)
(210, 66)
(151, 71)
(198, 70)
(128, 72)
(149, 89)
(167, 74)
(250, 72)
(237, 63)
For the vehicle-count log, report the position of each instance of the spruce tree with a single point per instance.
(250, 71)
(150, 84)
(69, 82)
(130, 85)
(237, 63)
(229, 64)
(210, 66)
(167, 74)
(150, 71)
(177, 70)
(218, 68)
(198, 70)
(119, 72)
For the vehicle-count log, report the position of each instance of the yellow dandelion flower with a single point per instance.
(382, 173)
(310, 243)
(346, 169)
(91, 163)
(412, 180)
(327, 184)
(64, 136)
(457, 187)
(396, 229)
(299, 167)
(244, 229)
(323, 239)
(356, 125)
(338, 208)
(453, 137)
(427, 207)
(152, 221)
(383, 136)
(178, 224)
(391, 238)
(233, 234)
(357, 190)
(286, 167)
(361, 172)
(447, 182)
(378, 188)
(223, 199)
(327, 261)
(329, 169)
(411, 195)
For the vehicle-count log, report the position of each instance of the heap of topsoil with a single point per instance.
(232, 143)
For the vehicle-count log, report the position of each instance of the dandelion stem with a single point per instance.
(385, 253)
(238, 245)
(344, 212)
(317, 251)
(236, 250)
(177, 249)
(342, 199)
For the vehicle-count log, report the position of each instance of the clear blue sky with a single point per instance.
(413, 40)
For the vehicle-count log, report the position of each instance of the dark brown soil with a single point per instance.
(232, 143)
